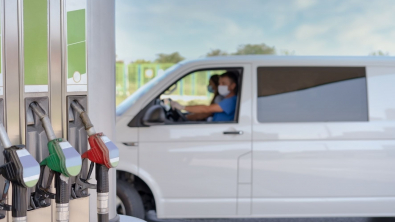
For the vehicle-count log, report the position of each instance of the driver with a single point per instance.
(224, 110)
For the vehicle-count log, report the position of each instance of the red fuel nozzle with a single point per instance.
(103, 151)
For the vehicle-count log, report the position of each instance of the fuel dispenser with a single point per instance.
(63, 161)
(104, 154)
(22, 170)
(43, 68)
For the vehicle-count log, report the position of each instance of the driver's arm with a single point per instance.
(213, 108)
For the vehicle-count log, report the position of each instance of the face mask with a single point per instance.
(210, 89)
(223, 90)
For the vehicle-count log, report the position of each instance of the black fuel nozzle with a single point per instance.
(3, 205)
(22, 170)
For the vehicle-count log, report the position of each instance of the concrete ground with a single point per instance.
(286, 220)
(151, 217)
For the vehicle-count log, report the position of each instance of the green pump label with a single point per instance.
(31, 169)
(73, 160)
(35, 45)
(77, 76)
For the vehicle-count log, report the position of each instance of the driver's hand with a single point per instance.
(176, 105)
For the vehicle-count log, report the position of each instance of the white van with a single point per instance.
(311, 137)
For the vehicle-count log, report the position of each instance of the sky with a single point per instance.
(304, 27)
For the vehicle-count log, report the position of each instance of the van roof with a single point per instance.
(299, 60)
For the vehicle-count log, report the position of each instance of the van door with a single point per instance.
(200, 169)
(320, 146)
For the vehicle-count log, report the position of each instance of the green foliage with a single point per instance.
(255, 49)
(174, 57)
(216, 52)
(287, 52)
(141, 61)
(379, 53)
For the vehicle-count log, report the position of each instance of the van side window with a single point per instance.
(200, 87)
(311, 94)
(192, 88)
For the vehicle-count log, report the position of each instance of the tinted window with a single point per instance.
(312, 94)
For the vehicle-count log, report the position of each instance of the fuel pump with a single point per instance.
(63, 161)
(22, 170)
(104, 154)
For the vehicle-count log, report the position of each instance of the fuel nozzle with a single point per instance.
(81, 186)
(63, 161)
(42, 115)
(104, 154)
(63, 158)
(84, 117)
(103, 151)
(22, 170)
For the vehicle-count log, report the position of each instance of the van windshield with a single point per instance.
(128, 102)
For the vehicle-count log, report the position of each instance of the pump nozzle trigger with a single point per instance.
(42, 193)
(81, 185)
(3, 205)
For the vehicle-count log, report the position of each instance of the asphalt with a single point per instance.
(285, 220)
(151, 217)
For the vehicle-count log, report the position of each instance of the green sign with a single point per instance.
(76, 46)
(35, 45)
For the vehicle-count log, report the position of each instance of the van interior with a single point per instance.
(191, 89)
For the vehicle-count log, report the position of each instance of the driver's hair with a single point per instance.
(233, 77)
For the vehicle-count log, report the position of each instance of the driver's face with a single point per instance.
(226, 81)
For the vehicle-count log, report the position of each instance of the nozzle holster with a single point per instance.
(81, 186)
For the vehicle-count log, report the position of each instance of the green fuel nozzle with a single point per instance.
(63, 161)
(63, 158)
(22, 170)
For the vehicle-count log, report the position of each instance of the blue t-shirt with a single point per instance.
(228, 106)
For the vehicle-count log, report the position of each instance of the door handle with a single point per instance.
(131, 144)
(233, 132)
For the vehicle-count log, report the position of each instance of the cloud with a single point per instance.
(308, 27)
(310, 31)
(304, 4)
(347, 28)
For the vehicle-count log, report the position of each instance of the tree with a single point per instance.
(216, 52)
(174, 57)
(379, 53)
(255, 49)
(287, 52)
(141, 61)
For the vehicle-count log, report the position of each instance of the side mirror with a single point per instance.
(155, 115)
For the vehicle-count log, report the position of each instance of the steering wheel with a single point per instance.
(181, 115)
(174, 114)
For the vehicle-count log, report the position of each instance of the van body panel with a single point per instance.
(128, 134)
(328, 168)
(324, 169)
(299, 169)
(211, 169)
(132, 154)
(200, 152)
(324, 207)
